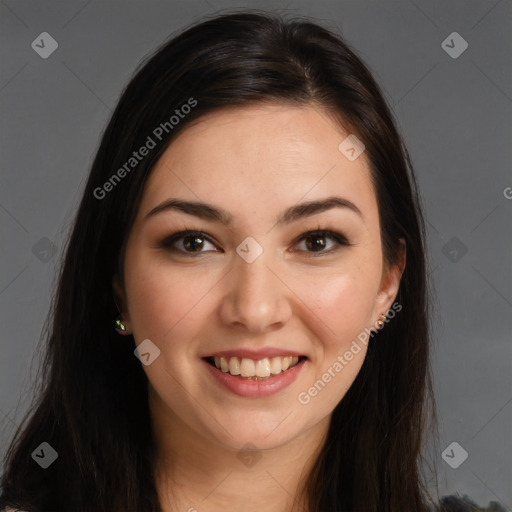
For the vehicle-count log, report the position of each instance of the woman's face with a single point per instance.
(254, 286)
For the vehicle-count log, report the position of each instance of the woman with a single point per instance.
(251, 229)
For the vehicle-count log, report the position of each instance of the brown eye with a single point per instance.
(318, 241)
(193, 243)
(187, 242)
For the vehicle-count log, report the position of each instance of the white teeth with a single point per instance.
(249, 368)
(275, 365)
(263, 368)
(234, 366)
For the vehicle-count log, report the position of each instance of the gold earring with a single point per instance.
(119, 326)
(381, 321)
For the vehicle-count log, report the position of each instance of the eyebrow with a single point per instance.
(212, 213)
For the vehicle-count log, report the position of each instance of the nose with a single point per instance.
(257, 299)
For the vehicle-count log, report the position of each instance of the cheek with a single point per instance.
(343, 303)
(163, 302)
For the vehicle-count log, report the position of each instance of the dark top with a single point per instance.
(457, 503)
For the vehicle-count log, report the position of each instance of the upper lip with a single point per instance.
(254, 354)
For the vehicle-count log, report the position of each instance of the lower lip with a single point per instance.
(256, 388)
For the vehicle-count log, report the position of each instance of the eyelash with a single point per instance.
(338, 238)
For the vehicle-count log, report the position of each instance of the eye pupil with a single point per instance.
(320, 242)
(197, 242)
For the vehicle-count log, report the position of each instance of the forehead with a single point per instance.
(254, 155)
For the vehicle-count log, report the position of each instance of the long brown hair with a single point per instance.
(92, 407)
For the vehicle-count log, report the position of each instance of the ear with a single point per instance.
(389, 284)
(119, 296)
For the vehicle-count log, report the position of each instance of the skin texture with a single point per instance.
(254, 162)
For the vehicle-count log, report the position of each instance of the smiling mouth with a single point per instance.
(252, 369)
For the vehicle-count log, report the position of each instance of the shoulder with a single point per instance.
(457, 503)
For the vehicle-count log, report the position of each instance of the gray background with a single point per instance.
(455, 114)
